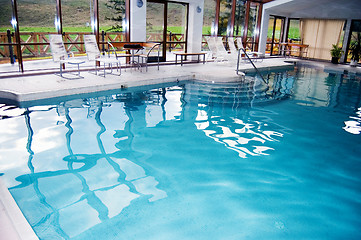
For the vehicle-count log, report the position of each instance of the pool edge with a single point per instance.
(12, 219)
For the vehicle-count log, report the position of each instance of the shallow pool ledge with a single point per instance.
(13, 225)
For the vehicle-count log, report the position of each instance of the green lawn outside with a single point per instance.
(293, 32)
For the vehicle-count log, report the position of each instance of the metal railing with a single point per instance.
(250, 60)
(36, 44)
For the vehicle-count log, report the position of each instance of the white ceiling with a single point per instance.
(319, 9)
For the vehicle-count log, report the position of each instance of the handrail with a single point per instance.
(239, 57)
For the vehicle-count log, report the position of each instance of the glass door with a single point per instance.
(277, 34)
(167, 24)
(176, 40)
(156, 25)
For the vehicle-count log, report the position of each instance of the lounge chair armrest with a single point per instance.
(155, 45)
(111, 48)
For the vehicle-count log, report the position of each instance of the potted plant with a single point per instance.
(355, 53)
(336, 53)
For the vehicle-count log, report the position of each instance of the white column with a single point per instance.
(284, 39)
(138, 17)
(195, 26)
(346, 40)
(264, 31)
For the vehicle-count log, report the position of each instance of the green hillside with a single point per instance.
(39, 15)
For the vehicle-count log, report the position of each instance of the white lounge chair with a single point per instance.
(211, 42)
(218, 51)
(93, 53)
(232, 46)
(231, 57)
(255, 55)
(60, 54)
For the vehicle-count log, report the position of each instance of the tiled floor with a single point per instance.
(35, 87)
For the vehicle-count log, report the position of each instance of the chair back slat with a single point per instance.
(231, 45)
(220, 46)
(211, 41)
(239, 43)
(91, 47)
(57, 47)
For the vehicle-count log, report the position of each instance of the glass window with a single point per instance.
(5, 15)
(209, 17)
(112, 16)
(78, 19)
(355, 40)
(252, 25)
(5, 24)
(252, 21)
(294, 31)
(36, 15)
(77, 15)
(278, 30)
(112, 21)
(239, 17)
(225, 12)
(176, 26)
(155, 23)
(36, 20)
(269, 34)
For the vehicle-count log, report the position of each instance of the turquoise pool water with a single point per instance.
(192, 161)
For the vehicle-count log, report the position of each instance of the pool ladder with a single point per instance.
(250, 60)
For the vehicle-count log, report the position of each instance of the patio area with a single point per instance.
(43, 84)
(46, 83)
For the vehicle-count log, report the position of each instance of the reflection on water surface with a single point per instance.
(166, 160)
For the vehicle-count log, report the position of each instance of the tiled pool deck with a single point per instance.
(28, 88)
(44, 84)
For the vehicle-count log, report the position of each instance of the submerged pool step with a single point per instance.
(230, 94)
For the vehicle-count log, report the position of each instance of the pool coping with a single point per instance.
(30, 88)
(13, 223)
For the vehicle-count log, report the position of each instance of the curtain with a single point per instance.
(320, 34)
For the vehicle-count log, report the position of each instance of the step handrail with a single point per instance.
(239, 57)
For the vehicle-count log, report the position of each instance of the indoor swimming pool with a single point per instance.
(191, 160)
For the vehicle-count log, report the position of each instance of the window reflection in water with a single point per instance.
(353, 125)
(94, 137)
(95, 184)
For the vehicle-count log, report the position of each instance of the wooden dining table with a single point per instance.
(287, 48)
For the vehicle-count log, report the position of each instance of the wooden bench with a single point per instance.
(189, 54)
